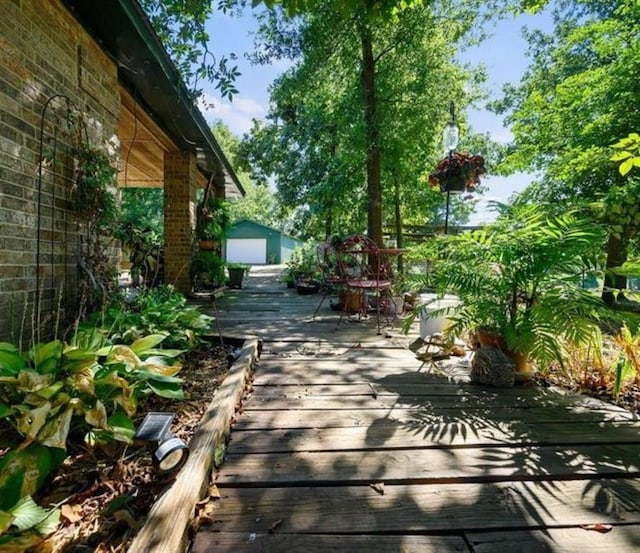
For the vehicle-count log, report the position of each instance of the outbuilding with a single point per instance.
(256, 244)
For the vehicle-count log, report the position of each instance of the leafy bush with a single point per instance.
(155, 310)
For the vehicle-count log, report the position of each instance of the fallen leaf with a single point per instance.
(599, 527)
(73, 513)
(214, 492)
(275, 525)
(378, 487)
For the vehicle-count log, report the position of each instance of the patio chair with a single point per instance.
(330, 280)
(364, 272)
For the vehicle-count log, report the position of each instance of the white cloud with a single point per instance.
(237, 114)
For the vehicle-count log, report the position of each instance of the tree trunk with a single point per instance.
(398, 220)
(374, 187)
(616, 256)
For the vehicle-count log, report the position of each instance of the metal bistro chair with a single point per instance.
(364, 274)
(331, 279)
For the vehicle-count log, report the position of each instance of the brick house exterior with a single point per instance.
(57, 54)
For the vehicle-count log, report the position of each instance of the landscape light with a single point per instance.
(170, 453)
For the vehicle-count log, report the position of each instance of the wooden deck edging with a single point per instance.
(165, 529)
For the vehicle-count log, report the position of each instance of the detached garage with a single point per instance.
(256, 244)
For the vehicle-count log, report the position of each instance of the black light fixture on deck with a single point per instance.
(169, 453)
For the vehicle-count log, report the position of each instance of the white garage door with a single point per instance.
(247, 250)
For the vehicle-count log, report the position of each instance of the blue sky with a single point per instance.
(503, 55)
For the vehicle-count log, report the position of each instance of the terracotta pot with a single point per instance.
(488, 337)
(522, 363)
(350, 302)
(207, 244)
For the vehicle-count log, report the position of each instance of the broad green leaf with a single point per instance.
(5, 411)
(143, 344)
(50, 391)
(11, 362)
(122, 427)
(620, 156)
(626, 166)
(169, 353)
(28, 514)
(46, 357)
(23, 471)
(157, 377)
(166, 389)
(50, 523)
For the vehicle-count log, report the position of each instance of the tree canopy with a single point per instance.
(339, 142)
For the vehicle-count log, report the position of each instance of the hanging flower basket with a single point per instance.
(459, 172)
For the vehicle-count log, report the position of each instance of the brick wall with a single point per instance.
(44, 52)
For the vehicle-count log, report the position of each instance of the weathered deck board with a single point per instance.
(429, 508)
(431, 465)
(385, 433)
(423, 422)
(319, 543)
(415, 418)
(621, 539)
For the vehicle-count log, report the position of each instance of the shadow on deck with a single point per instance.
(345, 445)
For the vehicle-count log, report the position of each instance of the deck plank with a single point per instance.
(432, 465)
(387, 433)
(319, 543)
(428, 508)
(621, 539)
(421, 420)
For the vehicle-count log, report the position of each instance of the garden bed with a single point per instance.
(105, 495)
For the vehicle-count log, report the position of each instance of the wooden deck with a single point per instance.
(344, 445)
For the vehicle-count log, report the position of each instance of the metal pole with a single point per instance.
(446, 213)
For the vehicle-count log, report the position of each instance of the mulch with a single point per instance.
(104, 495)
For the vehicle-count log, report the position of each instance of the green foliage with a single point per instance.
(213, 220)
(181, 27)
(258, 204)
(94, 185)
(320, 148)
(26, 516)
(521, 277)
(628, 363)
(628, 153)
(207, 270)
(303, 263)
(88, 387)
(576, 99)
(161, 310)
(143, 209)
(83, 380)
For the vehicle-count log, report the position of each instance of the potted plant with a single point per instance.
(236, 274)
(212, 223)
(458, 172)
(302, 266)
(519, 278)
(207, 270)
